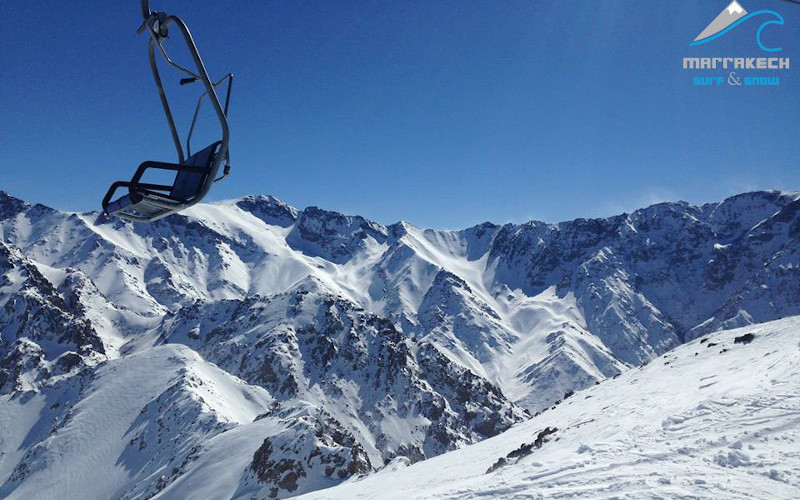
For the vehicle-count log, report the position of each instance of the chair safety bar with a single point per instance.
(134, 186)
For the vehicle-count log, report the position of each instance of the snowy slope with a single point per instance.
(117, 430)
(711, 419)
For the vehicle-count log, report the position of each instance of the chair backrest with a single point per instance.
(188, 184)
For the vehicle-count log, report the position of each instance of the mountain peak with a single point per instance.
(10, 206)
(269, 209)
(333, 236)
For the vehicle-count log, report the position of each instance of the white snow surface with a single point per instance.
(98, 451)
(711, 419)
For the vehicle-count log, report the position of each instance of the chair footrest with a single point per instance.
(147, 208)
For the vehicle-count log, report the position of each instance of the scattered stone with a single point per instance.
(524, 450)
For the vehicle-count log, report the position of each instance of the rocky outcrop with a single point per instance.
(311, 345)
(39, 332)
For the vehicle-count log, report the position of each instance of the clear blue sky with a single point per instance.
(443, 113)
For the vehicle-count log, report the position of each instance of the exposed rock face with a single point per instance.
(38, 330)
(10, 207)
(332, 236)
(312, 448)
(656, 274)
(269, 209)
(310, 345)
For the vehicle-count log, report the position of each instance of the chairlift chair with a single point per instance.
(194, 173)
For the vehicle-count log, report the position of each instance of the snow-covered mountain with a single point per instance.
(287, 350)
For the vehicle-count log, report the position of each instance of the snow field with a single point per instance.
(695, 423)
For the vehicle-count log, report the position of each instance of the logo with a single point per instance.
(733, 16)
(737, 70)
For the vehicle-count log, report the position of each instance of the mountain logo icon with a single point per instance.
(730, 18)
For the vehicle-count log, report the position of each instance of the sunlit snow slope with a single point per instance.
(714, 418)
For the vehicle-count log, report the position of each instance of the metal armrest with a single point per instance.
(112, 190)
(132, 190)
(165, 166)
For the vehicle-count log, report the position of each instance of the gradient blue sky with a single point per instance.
(442, 113)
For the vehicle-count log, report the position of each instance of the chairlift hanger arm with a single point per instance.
(150, 25)
(227, 167)
(157, 24)
(176, 140)
(229, 78)
(146, 9)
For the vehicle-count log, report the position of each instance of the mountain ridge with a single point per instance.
(251, 202)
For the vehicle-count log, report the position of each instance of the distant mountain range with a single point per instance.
(249, 348)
